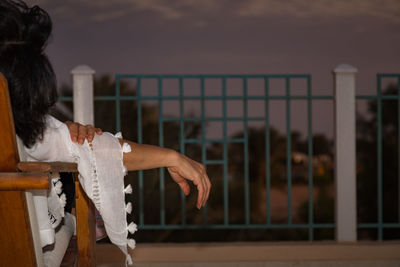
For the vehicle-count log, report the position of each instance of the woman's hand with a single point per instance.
(181, 168)
(79, 132)
(188, 169)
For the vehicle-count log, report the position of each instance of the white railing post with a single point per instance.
(82, 79)
(345, 152)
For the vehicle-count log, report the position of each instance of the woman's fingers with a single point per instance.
(205, 181)
(82, 134)
(185, 187)
(73, 130)
(203, 186)
(203, 202)
(208, 188)
(180, 181)
(90, 132)
(79, 132)
(194, 171)
(207, 184)
(200, 196)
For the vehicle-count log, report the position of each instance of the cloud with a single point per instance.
(103, 10)
(385, 9)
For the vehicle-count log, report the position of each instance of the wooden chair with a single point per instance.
(19, 244)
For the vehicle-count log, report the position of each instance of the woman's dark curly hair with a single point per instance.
(24, 33)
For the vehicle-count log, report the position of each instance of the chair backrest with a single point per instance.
(19, 237)
(16, 242)
(8, 153)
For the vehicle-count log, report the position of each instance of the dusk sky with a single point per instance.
(238, 36)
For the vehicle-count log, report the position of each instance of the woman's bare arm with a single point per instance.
(180, 167)
(144, 157)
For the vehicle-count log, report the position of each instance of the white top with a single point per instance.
(101, 174)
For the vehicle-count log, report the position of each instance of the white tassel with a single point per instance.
(58, 187)
(55, 180)
(132, 228)
(128, 260)
(128, 189)
(126, 148)
(132, 243)
(128, 208)
(124, 170)
(118, 135)
(63, 200)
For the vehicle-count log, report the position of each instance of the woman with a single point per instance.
(24, 33)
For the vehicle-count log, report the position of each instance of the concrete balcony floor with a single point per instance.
(281, 254)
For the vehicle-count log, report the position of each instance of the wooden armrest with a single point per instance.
(26, 166)
(23, 181)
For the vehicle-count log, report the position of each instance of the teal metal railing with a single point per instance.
(203, 119)
(380, 225)
(225, 141)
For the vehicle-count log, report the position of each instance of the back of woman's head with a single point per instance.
(24, 33)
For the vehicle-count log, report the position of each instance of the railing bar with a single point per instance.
(255, 119)
(182, 142)
(288, 152)
(214, 162)
(398, 147)
(140, 140)
(217, 76)
(389, 75)
(161, 143)
(383, 97)
(203, 138)
(379, 169)
(215, 119)
(117, 105)
(267, 154)
(249, 97)
(229, 140)
(377, 225)
(310, 157)
(225, 148)
(246, 155)
(65, 98)
(235, 226)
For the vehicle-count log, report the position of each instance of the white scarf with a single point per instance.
(101, 174)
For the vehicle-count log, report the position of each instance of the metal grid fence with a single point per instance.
(160, 98)
(203, 119)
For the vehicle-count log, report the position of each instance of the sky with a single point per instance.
(230, 37)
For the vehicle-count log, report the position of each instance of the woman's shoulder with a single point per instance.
(55, 145)
(53, 123)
